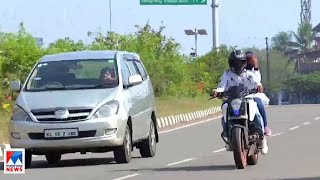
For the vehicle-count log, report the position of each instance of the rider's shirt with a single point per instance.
(229, 79)
(257, 73)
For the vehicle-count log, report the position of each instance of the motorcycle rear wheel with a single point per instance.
(253, 159)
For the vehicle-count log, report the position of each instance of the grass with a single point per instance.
(174, 105)
(4, 127)
(165, 106)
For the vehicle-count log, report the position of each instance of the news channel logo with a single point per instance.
(14, 161)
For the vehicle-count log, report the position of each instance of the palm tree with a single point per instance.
(281, 41)
(303, 39)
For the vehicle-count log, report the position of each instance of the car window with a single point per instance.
(132, 67)
(125, 72)
(82, 73)
(141, 70)
(92, 69)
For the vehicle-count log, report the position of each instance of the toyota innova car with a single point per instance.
(85, 101)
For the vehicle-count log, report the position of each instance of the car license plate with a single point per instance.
(58, 133)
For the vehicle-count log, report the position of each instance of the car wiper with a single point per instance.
(103, 85)
(48, 88)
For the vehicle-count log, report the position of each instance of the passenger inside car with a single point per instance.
(107, 76)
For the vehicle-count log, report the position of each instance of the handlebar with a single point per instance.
(227, 94)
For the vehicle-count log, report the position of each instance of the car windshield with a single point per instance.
(73, 74)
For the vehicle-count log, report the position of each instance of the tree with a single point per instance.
(19, 53)
(65, 45)
(303, 38)
(306, 83)
(280, 41)
(171, 72)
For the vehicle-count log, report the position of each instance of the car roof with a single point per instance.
(85, 54)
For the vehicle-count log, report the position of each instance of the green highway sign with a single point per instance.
(173, 2)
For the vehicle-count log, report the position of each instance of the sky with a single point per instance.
(242, 23)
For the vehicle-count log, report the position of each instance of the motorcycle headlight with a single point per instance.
(18, 114)
(236, 104)
(109, 109)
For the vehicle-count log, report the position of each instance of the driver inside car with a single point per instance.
(107, 76)
(238, 75)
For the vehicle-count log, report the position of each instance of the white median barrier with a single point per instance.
(172, 120)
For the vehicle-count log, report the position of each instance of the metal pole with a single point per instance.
(268, 63)
(299, 66)
(110, 16)
(299, 71)
(215, 24)
(196, 42)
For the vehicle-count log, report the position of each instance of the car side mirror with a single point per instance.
(135, 80)
(15, 86)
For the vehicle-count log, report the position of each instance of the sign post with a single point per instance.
(173, 2)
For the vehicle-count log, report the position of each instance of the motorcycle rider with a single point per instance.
(261, 99)
(238, 75)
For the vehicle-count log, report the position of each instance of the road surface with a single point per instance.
(196, 152)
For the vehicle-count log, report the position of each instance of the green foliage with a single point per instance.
(65, 45)
(281, 41)
(281, 68)
(172, 73)
(302, 40)
(210, 68)
(19, 54)
(306, 83)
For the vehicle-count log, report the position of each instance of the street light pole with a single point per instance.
(196, 41)
(110, 16)
(195, 34)
(268, 63)
(215, 24)
(299, 71)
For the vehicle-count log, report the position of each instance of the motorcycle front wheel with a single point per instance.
(239, 152)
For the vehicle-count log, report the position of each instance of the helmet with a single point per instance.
(237, 61)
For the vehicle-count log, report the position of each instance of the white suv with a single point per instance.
(86, 101)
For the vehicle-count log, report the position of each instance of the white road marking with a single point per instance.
(293, 128)
(306, 123)
(179, 162)
(219, 150)
(277, 134)
(317, 118)
(204, 121)
(127, 177)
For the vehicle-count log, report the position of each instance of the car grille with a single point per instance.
(48, 115)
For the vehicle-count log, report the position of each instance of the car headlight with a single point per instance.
(18, 114)
(236, 104)
(109, 109)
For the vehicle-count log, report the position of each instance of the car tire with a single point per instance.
(148, 146)
(53, 158)
(123, 153)
(28, 159)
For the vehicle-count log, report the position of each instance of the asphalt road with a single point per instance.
(196, 152)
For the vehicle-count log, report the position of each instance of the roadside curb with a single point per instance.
(172, 120)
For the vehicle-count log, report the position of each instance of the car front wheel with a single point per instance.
(123, 153)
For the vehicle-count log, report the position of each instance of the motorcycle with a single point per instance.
(245, 138)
